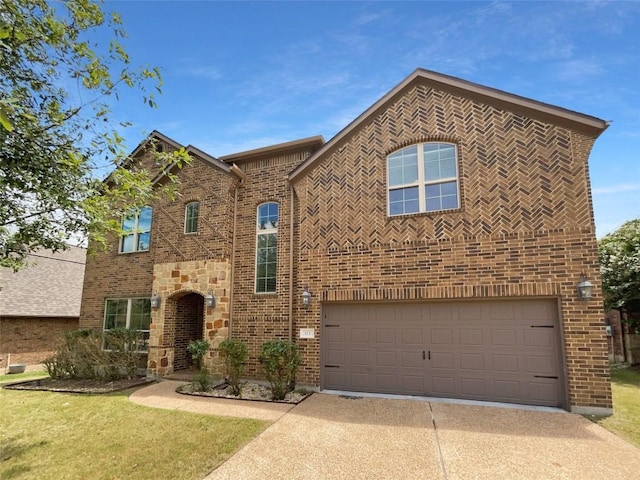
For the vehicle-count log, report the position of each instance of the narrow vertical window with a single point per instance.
(266, 247)
(136, 231)
(191, 217)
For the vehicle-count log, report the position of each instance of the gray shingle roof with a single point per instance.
(50, 287)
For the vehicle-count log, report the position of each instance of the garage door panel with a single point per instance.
(441, 336)
(388, 358)
(472, 361)
(412, 336)
(490, 350)
(539, 365)
(359, 335)
(504, 363)
(473, 387)
(359, 358)
(504, 336)
(442, 360)
(539, 337)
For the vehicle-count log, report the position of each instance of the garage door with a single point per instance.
(504, 351)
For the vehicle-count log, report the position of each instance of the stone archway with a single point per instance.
(182, 315)
(184, 322)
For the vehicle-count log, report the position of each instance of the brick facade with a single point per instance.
(524, 230)
(31, 340)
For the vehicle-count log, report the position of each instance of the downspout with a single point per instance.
(291, 258)
(242, 176)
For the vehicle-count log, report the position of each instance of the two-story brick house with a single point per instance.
(438, 238)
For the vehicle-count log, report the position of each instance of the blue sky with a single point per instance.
(242, 75)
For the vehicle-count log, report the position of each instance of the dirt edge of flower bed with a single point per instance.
(91, 387)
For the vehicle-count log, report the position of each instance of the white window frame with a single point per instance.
(136, 232)
(259, 233)
(186, 217)
(421, 183)
(128, 320)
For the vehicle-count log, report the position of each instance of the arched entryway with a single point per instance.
(184, 323)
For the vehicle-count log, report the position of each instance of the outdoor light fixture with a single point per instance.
(306, 297)
(155, 300)
(585, 288)
(210, 300)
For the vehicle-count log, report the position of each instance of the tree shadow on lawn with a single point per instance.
(13, 449)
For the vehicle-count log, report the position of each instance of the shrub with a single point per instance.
(80, 355)
(201, 380)
(280, 361)
(198, 349)
(235, 354)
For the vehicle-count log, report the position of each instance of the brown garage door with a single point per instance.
(503, 351)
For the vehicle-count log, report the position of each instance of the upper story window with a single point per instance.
(191, 217)
(266, 247)
(423, 178)
(137, 231)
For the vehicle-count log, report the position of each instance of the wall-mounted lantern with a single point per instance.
(306, 297)
(155, 300)
(210, 300)
(585, 288)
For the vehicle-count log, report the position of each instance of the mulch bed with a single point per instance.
(250, 391)
(80, 386)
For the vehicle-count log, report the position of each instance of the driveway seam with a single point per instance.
(440, 456)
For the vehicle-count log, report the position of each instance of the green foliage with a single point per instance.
(280, 361)
(235, 355)
(201, 380)
(89, 354)
(198, 349)
(56, 133)
(619, 254)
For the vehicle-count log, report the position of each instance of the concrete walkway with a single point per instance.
(333, 437)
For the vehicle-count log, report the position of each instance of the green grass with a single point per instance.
(18, 377)
(625, 421)
(48, 435)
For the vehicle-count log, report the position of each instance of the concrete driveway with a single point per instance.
(333, 437)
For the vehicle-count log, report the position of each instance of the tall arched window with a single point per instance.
(266, 247)
(423, 178)
(191, 214)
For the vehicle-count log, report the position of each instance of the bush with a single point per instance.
(201, 380)
(80, 355)
(198, 349)
(280, 361)
(235, 354)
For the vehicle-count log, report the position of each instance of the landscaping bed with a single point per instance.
(80, 386)
(250, 391)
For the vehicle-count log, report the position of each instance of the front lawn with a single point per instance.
(48, 435)
(625, 421)
(18, 377)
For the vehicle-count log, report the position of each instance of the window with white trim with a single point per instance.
(423, 178)
(191, 213)
(129, 313)
(266, 247)
(136, 228)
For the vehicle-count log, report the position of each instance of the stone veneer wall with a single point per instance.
(172, 280)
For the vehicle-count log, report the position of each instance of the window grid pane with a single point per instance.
(191, 218)
(267, 247)
(137, 231)
(137, 311)
(437, 178)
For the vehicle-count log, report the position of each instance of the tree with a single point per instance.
(56, 132)
(619, 254)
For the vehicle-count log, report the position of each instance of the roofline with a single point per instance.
(158, 135)
(315, 141)
(499, 98)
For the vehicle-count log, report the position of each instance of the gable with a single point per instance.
(479, 94)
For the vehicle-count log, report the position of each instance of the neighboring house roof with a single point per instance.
(51, 286)
(490, 96)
